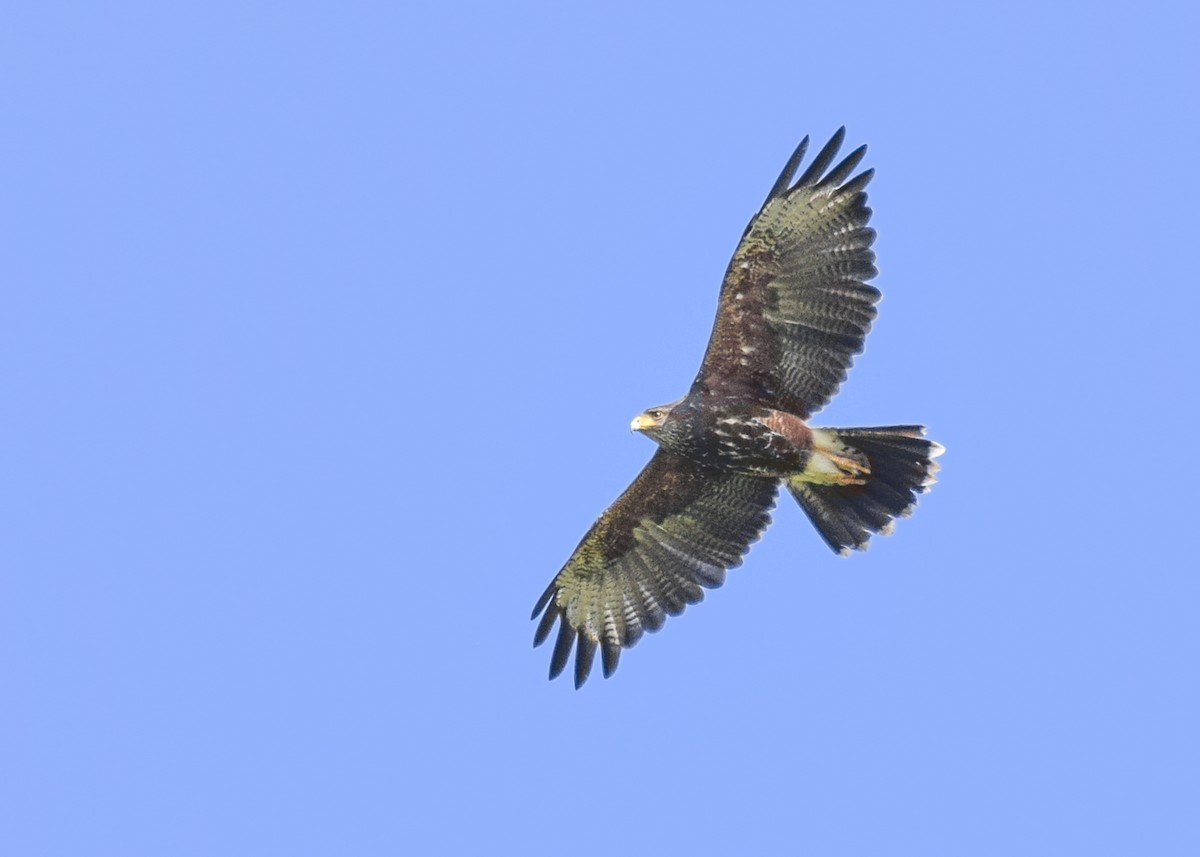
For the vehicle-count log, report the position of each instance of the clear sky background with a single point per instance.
(322, 327)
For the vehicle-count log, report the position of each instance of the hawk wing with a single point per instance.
(794, 306)
(677, 528)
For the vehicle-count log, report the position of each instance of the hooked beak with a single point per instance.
(642, 422)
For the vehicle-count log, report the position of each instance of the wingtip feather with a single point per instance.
(585, 653)
(544, 600)
(562, 648)
(843, 170)
(544, 627)
(789, 170)
(859, 183)
(823, 159)
(610, 654)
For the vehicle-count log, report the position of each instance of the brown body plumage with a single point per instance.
(794, 309)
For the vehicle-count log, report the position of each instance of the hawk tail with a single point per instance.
(847, 502)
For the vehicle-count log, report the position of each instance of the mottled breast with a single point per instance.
(757, 440)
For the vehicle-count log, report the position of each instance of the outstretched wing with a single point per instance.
(676, 529)
(794, 306)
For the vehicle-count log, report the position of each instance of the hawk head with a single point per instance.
(650, 420)
(667, 424)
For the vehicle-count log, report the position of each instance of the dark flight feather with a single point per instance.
(843, 170)
(823, 159)
(785, 177)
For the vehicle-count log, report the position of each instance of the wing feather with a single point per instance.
(795, 306)
(610, 654)
(843, 170)
(785, 177)
(823, 159)
(562, 649)
(674, 532)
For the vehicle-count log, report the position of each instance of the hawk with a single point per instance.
(793, 311)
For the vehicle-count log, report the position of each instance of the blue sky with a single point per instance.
(322, 331)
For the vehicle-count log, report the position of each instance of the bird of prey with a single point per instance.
(793, 311)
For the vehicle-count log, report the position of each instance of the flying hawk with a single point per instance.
(794, 309)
